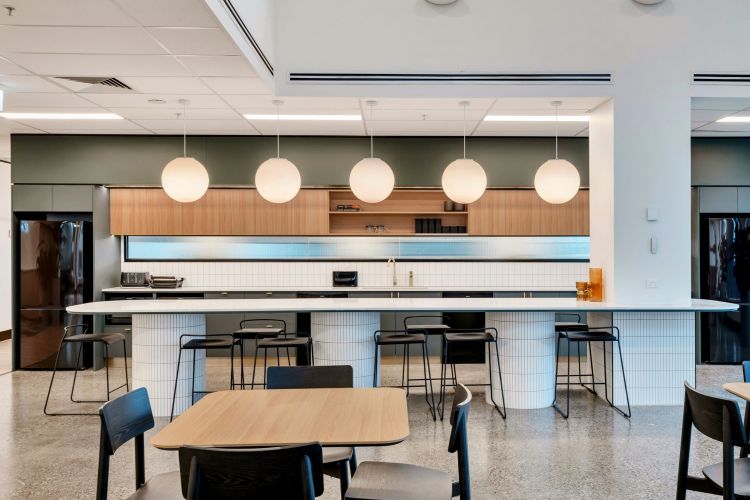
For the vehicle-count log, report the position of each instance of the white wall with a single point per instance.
(5, 247)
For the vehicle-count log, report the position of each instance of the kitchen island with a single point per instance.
(658, 340)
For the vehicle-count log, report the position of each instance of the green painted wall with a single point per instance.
(721, 161)
(323, 161)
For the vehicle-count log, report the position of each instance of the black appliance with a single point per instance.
(467, 352)
(725, 276)
(53, 270)
(165, 282)
(344, 278)
(135, 279)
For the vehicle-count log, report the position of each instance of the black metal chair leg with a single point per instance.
(557, 364)
(624, 384)
(54, 371)
(427, 380)
(408, 370)
(176, 378)
(125, 359)
(502, 413)
(192, 382)
(443, 376)
(242, 363)
(375, 368)
(231, 365)
(75, 373)
(255, 363)
(403, 366)
(265, 366)
(567, 383)
(106, 367)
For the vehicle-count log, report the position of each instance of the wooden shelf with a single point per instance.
(384, 212)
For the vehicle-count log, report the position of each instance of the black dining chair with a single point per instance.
(78, 335)
(719, 419)
(338, 461)
(122, 419)
(255, 330)
(389, 481)
(283, 473)
(406, 339)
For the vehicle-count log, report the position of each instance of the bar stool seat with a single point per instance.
(409, 338)
(106, 338)
(589, 336)
(162, 487)
(284, 342)
(432, 329)
(210, 343)
(252, 333)
(469, 337)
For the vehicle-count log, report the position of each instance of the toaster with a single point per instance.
(135, 279)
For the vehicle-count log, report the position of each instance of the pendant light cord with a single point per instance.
(464, 124)
(557, 106)
(184, 130)
(278, 140)
(372, 149)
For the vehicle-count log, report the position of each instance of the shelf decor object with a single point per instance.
(557, 181)
(184, 179)
(595, 284)
(464, 180)
(371, 179)
(277, 179)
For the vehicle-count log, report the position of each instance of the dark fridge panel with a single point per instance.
(725, 265)
(40, 334)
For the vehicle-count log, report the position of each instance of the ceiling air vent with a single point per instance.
(98, 84)
(722, 78)
(500, 78)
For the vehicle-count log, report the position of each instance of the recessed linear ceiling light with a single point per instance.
(734, 119)
(535, 118)
(305, 117)
(60, 116)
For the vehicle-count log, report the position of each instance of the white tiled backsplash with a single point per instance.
(444, 275)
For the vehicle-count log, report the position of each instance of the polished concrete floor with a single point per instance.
(533, 454)
(6, 356)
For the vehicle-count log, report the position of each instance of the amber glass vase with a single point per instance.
(595, 284)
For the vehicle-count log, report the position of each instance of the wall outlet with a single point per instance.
(652, 283)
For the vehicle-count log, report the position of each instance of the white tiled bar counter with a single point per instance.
(657, 340)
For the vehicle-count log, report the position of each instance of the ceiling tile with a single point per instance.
(188, 13)
(545, 103)
(428, 114)
(529, 128)
(27, 83)
(167, 84)
(67, 13)
(321, 127)
(439, 127)
(708, 115)
(141, 100)
(233, 85)
(77, 40)
(163, 112)
(178, 131)
(195, 41)
(419, 103)
(14, 101)
(217, 65)
(264, 104)
(721, 103)
(63, 125)
(8, 68)
(726, 127)
(99, 64)
(193, 125)
(100, 131)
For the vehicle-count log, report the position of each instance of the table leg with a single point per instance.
(527, 358)
(346, 338)
(156, 341)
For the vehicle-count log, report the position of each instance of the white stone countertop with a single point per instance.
(210, 306)
(216, 289)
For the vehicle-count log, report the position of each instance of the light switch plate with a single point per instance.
(652, 214)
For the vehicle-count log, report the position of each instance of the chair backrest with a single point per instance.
(263, 322)
(123, 419)
(458, 441)
(746, 371)
(309, 377)
(79, 328)
(707, 415)
(290, 472)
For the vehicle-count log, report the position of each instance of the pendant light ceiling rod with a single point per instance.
(184, 103)
(371, 104)
(556, 104)
(278, 103)
(464, 104)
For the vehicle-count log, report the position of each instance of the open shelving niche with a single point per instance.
(398, 213)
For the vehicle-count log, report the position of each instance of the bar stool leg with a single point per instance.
(624, 384)
(443, 376)
(125, 359)
(255, 362)
(427, 379)
(403, 366)
(504, 412)
(106, 367)
(192, 382)
(231, 365)
(176, 378)
(375, 366)
(52, 379)
(75, 373)
(265, 366)
(408, 371)
(242, 363)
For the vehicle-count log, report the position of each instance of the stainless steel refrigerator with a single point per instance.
(725, 269)
(53, 270)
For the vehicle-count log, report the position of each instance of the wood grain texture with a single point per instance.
(739, 389)
(332, 417)
(520, 212)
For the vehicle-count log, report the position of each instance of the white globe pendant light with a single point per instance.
(184, 179)
(277, 179)
(371, 179)
(557, 181)
(464, 180)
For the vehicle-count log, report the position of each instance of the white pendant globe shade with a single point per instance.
(277, 180)
(184, 179)
(372, 180)
(464, 181)
(557, 181)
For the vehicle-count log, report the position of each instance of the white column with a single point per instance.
(156, 341)
(527, 358)
(346, 338)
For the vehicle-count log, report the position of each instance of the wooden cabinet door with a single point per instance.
(143, 212)
(310, 212)
(219, 212)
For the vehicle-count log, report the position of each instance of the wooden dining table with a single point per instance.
(259, 418)
(740, 389)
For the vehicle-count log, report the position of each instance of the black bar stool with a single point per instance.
(205, 342)
(406, 339)
(106, 339)
(605, 335)
(437, 324)
(285, 340)
(255, 329)
(456, 337)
